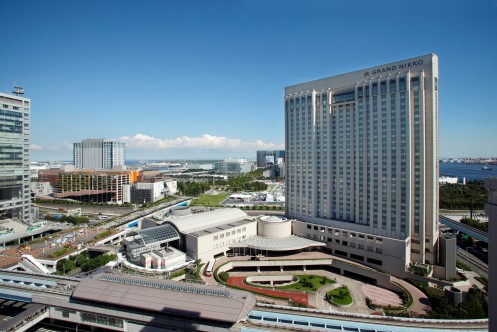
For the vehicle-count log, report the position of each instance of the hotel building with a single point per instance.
(99, 154)
(362, 163)
(15, 196)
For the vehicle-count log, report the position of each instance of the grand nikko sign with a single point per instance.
(405, 65)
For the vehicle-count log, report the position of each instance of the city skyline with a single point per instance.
(205, 80)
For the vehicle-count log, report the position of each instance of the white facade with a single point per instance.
(212, 233)
(362, 156)
(448, 179)
(209, 243)
(99, 154)
(273, 227)
(156, 189)
(15, 192)
(41, 188)
(171, 187)
(205, 167)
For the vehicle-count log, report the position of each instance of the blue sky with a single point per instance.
(205, 79)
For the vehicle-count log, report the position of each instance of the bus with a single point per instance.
(210, 268)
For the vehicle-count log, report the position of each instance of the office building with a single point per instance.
(275, 157)
(99, 154)
(362, 163)
(15, 197)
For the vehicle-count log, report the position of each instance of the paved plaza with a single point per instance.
(359, 290)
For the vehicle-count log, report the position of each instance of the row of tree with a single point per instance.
(193, 188)
(83, 261)
(458, 197)
(70, 219)
(245, 182)
(473, 307)
(482, 226)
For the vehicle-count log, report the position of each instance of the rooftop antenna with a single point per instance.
(18, 90)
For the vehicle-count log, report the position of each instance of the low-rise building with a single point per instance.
(146, 192)
(41, 188)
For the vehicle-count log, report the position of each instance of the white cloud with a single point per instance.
(64, 146)
(204, 142)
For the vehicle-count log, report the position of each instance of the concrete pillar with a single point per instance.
(259, 269)
(304, 268)
(281, 268)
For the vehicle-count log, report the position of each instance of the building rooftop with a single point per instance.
(209, 302)
(282, 244)
(208, 220)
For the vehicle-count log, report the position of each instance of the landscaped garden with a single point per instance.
(340, 296)
(210, 200)
(308, 283)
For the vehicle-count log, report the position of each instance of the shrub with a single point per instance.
(224, 276)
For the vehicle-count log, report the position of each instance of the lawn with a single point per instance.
(308, 283)
(340, 295)
(210, 200)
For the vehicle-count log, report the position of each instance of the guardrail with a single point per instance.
(375, 317)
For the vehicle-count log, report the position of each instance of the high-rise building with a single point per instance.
(99, 154)
(362, 163)
(277, 157)
(15, 196)
(491, 212)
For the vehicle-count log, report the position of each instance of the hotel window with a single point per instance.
(383, 87)
(415, 83)
(393, 87)
(359, 92)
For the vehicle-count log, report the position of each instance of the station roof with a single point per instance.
(208, 302)
(282, 244)
(22, 281)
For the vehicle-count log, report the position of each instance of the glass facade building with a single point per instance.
(276, 157)
(15, 197)
(362, 155)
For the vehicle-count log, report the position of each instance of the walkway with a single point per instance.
(421, 303)
(302, 298)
